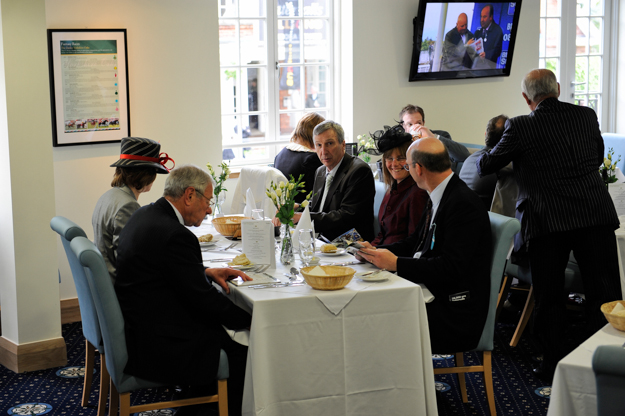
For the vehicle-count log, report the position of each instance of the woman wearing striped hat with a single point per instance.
(135, 172)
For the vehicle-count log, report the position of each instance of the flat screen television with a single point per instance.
(463, 39)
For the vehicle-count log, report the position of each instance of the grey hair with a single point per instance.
(184, 177)
(539, 84)
(330, 125)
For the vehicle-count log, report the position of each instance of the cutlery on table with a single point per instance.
(227, 247)
(347, 263)
(372, 273)
(215, 260)
(275, 285)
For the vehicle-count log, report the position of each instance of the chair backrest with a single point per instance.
(608, 363)
(107, 306)
(258, 179)
(90, 325)
(380, 191)
(502, 230)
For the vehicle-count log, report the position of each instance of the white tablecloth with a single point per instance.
(620, 241)
(574, 391)
(369, 356)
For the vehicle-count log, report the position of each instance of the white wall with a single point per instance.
(382, 36)
(173, 62)
(174, 87)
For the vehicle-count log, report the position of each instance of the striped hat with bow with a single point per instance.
(137, 151)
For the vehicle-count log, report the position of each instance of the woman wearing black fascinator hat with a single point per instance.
(404, 202)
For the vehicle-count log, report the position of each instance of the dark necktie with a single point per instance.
(426, 225)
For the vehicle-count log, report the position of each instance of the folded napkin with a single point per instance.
(250, 204)
(304, 224)
(241, 336)
(337, 300)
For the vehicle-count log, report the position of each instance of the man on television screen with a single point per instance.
(491, 35)
(455, 56)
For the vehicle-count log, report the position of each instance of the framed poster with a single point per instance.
(88, 86)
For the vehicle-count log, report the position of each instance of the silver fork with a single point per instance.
(228, 247)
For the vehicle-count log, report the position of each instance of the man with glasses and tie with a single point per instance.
(172, 313)
(344, 190)
(449, 252)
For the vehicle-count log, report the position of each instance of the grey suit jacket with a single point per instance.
(556, 152)
(349, 203)
(110, 215)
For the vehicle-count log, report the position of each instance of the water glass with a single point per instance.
(306, 246)
(258, 214)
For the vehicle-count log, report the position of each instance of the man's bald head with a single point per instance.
(461, 24)
(431, 154)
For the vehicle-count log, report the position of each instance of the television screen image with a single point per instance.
(461, 39)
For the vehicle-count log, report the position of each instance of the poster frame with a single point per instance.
(94, 133)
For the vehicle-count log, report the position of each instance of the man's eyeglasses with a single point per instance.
(211, 201)
(407, 166)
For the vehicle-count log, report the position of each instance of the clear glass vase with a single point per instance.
(286, 250)
(218, 208)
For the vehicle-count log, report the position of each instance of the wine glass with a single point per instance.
(306, 246)
(258, 214)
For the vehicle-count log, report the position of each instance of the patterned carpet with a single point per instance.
(517, 392)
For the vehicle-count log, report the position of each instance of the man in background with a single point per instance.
(491, 34)
(455, 56)
(484, 187)
(562, 204)
(343, 191)
(413, 118)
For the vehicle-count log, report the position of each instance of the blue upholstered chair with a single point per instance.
(503, 230)
(90, 326)
(112, 327)
(380, 191)
(608, 363)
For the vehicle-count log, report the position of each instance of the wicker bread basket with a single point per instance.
(337, 277)
(228, 226)
(617, 321)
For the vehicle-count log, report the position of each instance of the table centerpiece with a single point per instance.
(220, 190)
(283, 197)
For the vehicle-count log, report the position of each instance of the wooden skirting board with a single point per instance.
(43, 354)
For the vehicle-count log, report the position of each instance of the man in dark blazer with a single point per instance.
(449, 253)
(455, 56)
(344, 190)
(491, 34)
(562, 204)
(173, 315)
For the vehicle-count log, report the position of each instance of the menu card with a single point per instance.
(259, 241)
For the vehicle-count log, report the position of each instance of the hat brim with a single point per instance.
(127, 163)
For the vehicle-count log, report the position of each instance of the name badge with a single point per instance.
(460, 297)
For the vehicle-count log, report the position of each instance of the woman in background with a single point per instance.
(404, 202)
(135, 172)
(299, 156)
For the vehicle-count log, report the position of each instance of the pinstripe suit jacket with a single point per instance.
(556, 152)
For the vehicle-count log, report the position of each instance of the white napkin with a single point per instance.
(619, 175)
(303, 224)
(250, 204)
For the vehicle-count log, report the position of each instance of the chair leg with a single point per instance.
(113, 400)
(461, 377)
(104, 386)
(124, 404)
(503, 294)
(222, 392)
(89, 359)
(527, 312)
(488, 382)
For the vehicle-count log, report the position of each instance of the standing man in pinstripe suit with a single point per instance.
(562, 204)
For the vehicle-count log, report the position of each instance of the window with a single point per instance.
(276, 65)
(575, 44)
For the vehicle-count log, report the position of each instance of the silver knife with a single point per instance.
(347, 263)
(214, 260)
(276, 285)
(270, 276)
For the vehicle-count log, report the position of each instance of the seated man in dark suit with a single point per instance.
(173, 315)
(484, 186)
(343, 192)
(412, 118)
(449, 252)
